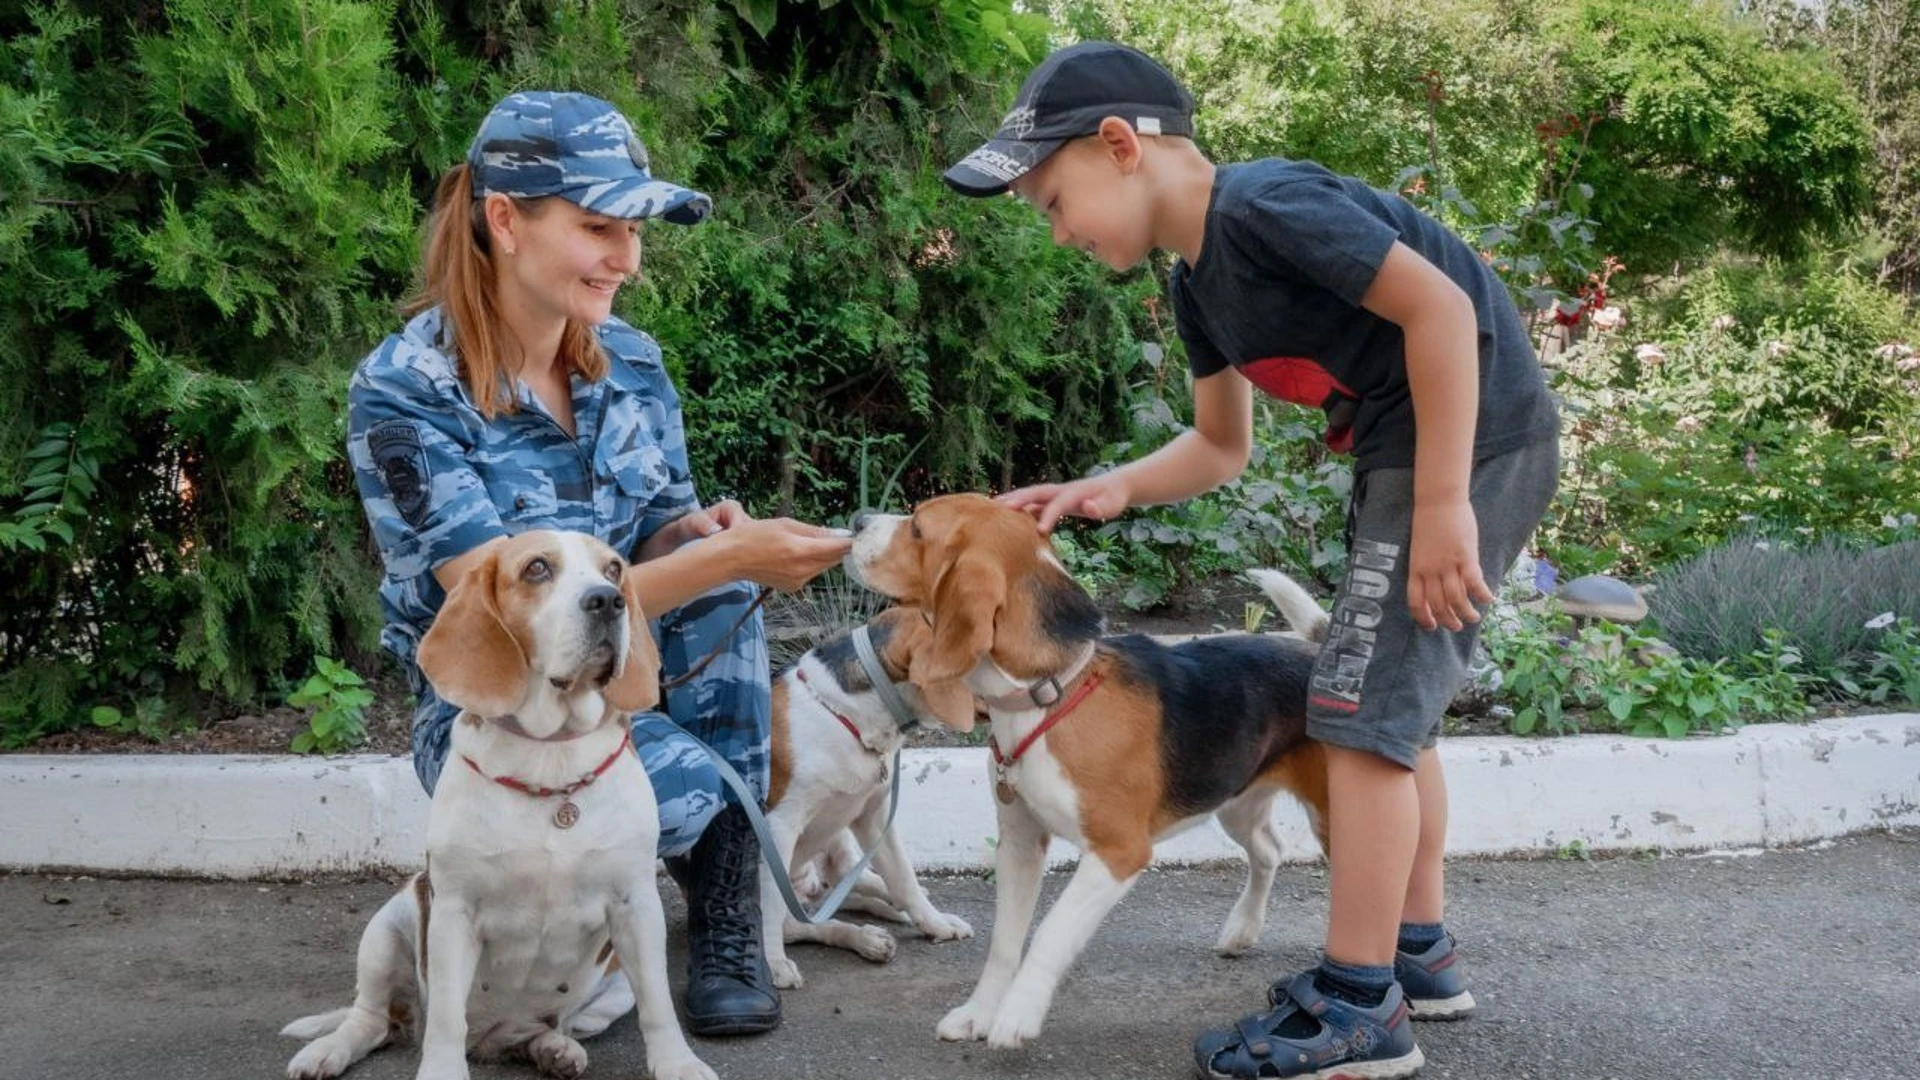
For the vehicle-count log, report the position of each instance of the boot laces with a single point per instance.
(728, 947)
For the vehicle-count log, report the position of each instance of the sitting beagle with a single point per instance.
(833, 747)
(1109, 742)
(539, 897)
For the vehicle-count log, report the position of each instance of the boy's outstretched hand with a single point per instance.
(1097, 497)
(1443, 571)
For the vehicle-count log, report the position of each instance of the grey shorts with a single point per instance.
(1382, 683)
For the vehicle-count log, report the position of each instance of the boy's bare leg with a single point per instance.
(1375, 832)
(1427, 887)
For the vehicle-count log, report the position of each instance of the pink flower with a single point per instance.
(1650, 354)
(1608, 318)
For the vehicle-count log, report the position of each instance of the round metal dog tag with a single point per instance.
(566, 815)
(1003, 791)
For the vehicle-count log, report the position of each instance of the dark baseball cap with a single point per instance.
(578, 147)
(1066, 97)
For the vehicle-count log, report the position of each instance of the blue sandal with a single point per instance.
(1353, 1042)
(1435, 986)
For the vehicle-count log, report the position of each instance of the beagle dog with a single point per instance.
(833, 747)
(1111, 743)
(540, 896)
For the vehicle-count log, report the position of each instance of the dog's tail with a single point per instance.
(312, 1027)
(1297, 605)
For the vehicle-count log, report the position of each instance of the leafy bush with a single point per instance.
(208, 212)
(1685, 441)
(1286, 510)
(1690, 131)
(1604, 677)
(199, 226)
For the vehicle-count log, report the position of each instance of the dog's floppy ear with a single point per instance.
(966, 600)
(636, 685)
(950, 702)
(468, 654)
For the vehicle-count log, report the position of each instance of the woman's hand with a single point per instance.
(1097, 497)
(693, 525)
(708, 520)
(780, 552)
(1443, 569)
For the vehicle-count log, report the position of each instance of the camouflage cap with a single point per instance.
(580, 148)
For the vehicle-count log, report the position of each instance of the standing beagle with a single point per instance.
(540, 896)
(1111, 743)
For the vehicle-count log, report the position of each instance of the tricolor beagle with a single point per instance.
(1109, 742)
(540, 896)
(833, 748)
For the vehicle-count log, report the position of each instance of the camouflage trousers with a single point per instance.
(729, 706)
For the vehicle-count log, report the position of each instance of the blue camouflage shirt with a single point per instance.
(438, 479)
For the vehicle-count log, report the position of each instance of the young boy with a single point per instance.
(1320, 290)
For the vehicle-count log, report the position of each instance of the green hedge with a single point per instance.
(209, 210)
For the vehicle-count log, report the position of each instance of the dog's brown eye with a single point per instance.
(614, 570)
(537, 570)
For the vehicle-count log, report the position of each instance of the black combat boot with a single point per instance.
(729, 990)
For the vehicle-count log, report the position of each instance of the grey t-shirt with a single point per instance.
(1290, 251)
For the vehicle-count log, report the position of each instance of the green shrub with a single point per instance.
(1287, 510)
(1679, 442)
(208, 212)
(1604, 677)
(1821, 600)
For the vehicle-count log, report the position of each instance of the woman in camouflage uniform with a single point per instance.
(514, 400)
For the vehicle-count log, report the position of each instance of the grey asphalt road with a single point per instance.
(1778, 964)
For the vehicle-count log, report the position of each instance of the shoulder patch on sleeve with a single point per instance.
(395, 448)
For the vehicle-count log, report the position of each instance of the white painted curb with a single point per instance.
(237, 816)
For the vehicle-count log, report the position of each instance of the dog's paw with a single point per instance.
(968, 1022)
(454, 1069)
(1235, 940)
(321, 1059)
(786, 974)
(1012, 1028)
(945, 927)
(687, 1068)
(875, 944)
(558, 1056)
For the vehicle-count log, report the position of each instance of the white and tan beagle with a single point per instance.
(1111, 743)
(540, 896)
(833, 748)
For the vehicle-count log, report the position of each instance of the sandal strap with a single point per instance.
(1258, 1031)
(1302, 993)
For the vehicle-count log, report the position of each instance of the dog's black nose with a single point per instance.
(860, 521)
(603, 602)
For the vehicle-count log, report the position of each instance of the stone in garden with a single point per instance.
(1597, 596)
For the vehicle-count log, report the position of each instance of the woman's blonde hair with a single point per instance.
(459, 277)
